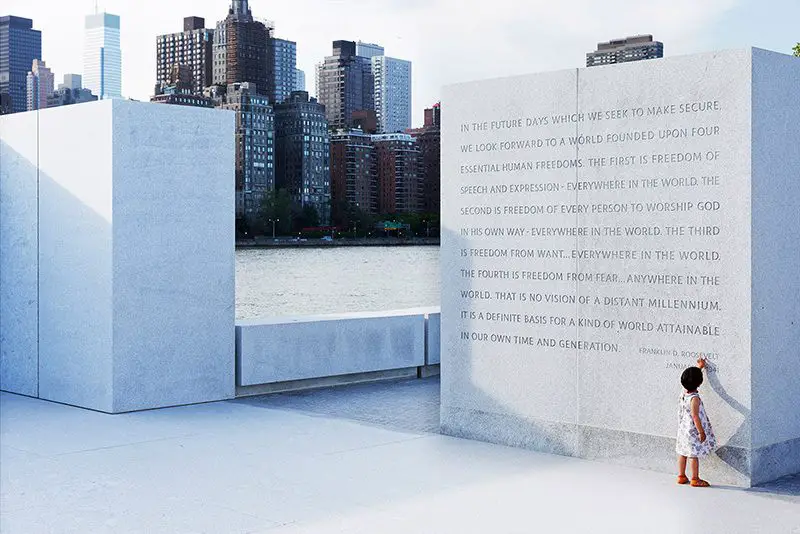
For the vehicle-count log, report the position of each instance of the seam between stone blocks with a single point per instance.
(577, 284)
(38, 259)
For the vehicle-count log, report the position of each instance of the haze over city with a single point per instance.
(448, 41)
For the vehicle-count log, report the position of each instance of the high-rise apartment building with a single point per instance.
(102, 57)
(633, 48)
(299, 80)
(20, 44)
(302, 152)
(255, 149)
(392, 93)
(40, 84)
(353, 174)
(241, 50)
(429, 141)
(281, 69)
(345, 84)
(398, 174)
(193, 48)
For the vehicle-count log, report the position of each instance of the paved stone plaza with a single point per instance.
(356, 459)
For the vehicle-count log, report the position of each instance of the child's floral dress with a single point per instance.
(688, 443)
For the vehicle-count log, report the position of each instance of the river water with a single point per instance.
(276, 282)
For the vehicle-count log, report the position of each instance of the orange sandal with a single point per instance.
(699, 483)
(683, 479)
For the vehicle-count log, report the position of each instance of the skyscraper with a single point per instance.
(369, 50)
(302, 152)
(20, 44)
(633, 48)
(392, 93)
(255, 149)
(241, 50)
(281, 69)
(192, 48)
(5, 104)
(102, 58)
(40, 84)
(299, 80)
(344, 85)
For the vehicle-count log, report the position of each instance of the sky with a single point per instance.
(448, 41)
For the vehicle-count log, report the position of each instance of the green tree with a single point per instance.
(305, 217)
(277, 207)
(364, 222)
(429, 225)
(342, 213)
(797, 50)
(352, 218)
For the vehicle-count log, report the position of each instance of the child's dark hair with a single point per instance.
(692, 378)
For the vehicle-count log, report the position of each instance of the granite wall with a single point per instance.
(604, 227)
(118, 255)
(19, 228)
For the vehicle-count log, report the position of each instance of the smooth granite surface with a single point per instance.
(776, 251)
(597, 240)
(135, 255)
(76, 181)
(330, 345)
(647, 403)
(173, 270)
(19, 263)
(484, 375)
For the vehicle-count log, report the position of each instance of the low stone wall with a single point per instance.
(433, 336)
(299, 352)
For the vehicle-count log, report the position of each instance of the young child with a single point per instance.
(695, 436)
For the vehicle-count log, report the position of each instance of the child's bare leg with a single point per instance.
(682, 466)
(694, 466)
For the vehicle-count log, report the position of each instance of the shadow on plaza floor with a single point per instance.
(413, 405)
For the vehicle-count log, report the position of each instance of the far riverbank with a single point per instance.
(286, 242)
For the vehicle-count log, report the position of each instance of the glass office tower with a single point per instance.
(102, 58)
(20, 44)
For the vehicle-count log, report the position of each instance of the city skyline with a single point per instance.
(527, 37)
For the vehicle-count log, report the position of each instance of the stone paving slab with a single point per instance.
(331, 461)
(411, 405)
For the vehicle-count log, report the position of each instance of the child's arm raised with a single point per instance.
(696, 418)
